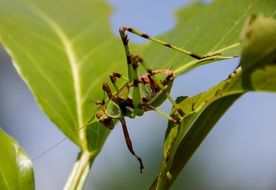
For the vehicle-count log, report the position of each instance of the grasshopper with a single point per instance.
(140, 93)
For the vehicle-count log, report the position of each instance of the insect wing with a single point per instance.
(113, 110)
(124, 92)
(146, 92)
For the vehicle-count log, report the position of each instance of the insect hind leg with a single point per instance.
(123, 29)
(132, 64)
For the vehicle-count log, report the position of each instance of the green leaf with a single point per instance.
(204, 110)
(205, 28)
(96, 134)
(63, 51)
(258, 40)
(16, 170)
(259, 53)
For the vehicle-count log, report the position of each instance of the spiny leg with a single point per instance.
(132, 63)
(107, 90)
(125, 40)
(136, 95)
(129, 143)
(146, 36)
(178, 109)
(113, 78)
(170, 118)
(170, 98)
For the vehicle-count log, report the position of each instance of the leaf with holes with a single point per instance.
(205, 28)
(257, 73)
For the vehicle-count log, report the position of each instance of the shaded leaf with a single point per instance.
(16, 170)
(259, 52)
(205, 28)
(204, 110)
(96, 134)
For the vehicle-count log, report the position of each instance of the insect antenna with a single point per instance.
(49, 149)
(59, 142)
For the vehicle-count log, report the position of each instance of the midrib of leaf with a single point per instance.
(72, 58)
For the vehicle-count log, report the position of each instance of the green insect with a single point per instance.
(140, 93)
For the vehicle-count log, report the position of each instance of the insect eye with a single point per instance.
(108, 122)
(100, 114)
(144, 99)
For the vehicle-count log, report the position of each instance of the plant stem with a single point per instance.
(80, 171)
(161, 180)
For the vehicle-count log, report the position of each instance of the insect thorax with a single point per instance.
(152, 86)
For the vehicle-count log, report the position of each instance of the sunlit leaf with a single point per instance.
(63, 52)
(16, 170)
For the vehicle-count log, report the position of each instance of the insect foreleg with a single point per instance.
(106, 90)
(141, 60)
(113, 78)
(129, 143)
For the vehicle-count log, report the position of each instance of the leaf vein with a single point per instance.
(72, 58)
